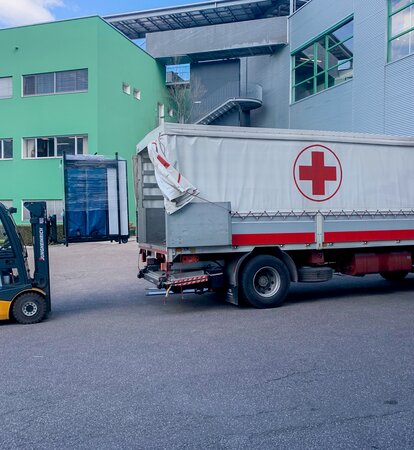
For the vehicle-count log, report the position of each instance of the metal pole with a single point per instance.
(292, 6)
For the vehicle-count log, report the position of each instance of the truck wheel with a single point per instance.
(29, 308)
(265, 282)
(394, 276)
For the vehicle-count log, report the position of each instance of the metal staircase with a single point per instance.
(226, 99)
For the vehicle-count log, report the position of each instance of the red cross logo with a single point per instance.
(317, 173)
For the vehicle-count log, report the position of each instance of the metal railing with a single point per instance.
(231, 91)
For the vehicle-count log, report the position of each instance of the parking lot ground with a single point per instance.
(113, 368)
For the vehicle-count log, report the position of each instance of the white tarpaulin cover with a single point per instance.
(283, 170)
(177, 191)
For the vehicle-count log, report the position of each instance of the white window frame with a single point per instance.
(54, 83)
(76, 137)
(52, 208)
(11, 92)
(126, 88)
(2, 158)
(137, 94)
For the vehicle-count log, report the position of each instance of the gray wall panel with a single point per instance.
(209, 39)
(377, 100)
(316, 17)
(399, 97)
(370, 27)
(273, 74)
(329, 110)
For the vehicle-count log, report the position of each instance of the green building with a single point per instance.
(77, 86)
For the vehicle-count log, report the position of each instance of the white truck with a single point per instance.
(247, 211)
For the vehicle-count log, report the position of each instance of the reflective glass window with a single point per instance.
(324, 63)
(401, 27)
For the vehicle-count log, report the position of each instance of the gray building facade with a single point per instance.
(314, 64)
(377, 99)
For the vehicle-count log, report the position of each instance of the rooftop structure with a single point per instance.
(136, 25)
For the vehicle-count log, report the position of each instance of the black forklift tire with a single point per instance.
(265, 282)
(394, 276)
(29, 308)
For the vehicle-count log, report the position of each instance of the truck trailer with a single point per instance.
(248, 211)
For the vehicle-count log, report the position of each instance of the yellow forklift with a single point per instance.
(96, 209)
(23, 297)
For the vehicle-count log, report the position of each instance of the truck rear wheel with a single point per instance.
(394, 276)
(265, 282)
(29, 308)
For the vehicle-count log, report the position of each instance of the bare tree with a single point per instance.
(182, 96)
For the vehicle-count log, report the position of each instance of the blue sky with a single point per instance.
(25, 12)
(105, 7)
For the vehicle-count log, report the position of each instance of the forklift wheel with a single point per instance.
(29, 308)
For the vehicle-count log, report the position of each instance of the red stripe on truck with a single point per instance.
(163, 161)
(364, 236)
(273, 238)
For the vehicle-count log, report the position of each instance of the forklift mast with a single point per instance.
(40, 233)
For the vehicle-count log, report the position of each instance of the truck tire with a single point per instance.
(265, 282)
(29, 308)
(394, 276)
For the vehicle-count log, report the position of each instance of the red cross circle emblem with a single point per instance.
(317, 173)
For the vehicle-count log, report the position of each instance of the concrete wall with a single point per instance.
(272, 73)
(214, 39)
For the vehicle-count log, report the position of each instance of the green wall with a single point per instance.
(113, 121)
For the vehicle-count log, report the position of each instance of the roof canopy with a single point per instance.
(136, 25)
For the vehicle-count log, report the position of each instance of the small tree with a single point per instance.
(179, 98)
(182, 97)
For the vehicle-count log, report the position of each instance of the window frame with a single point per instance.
(316, 74)
(137, 94)
(2, 158)
(126, 88)
(55, 91)
(8, 77)
(85, 138)
(390, 37)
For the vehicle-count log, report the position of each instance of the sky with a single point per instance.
(25, 12)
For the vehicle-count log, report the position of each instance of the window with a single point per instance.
(6, 87)
(51, 147)
(6, 148)
(323, 63)
(56, 82)
(177, 73)
(53, 207)
(400, 28)
(137, 94)
(126, 88)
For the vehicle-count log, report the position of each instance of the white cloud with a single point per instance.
(25, 12)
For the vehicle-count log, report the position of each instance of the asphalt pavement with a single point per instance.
(113, 368)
